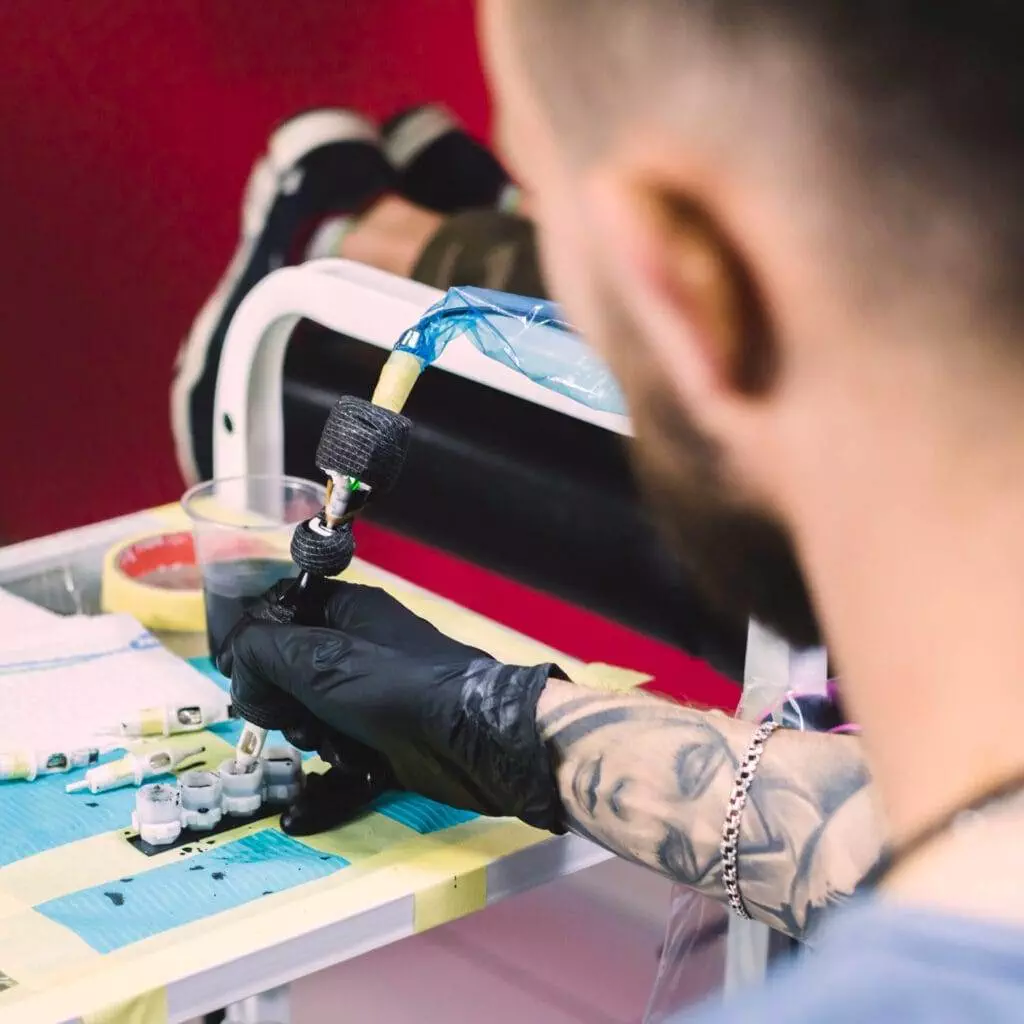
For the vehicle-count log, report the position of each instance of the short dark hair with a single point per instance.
(923, 100)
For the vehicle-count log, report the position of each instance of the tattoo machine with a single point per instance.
(361, 452)
(364, 444)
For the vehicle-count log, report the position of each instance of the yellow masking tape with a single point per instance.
(65, 869)
(150, 1008)
(365, 837)
(32, 946)
(162, 608)
(449, 877)
(10, 905)
(464, 894)
(611, 678)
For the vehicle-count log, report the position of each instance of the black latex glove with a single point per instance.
(357, 673)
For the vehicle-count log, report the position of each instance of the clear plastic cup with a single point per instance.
(243, 530)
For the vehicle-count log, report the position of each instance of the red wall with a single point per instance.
(128, 128)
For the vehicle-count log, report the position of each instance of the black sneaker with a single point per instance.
(440, 165)
(318, 165)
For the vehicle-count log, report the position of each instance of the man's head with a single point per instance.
(792, 228)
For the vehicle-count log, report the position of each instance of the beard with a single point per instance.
(739, 556)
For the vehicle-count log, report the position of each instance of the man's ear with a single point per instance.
(686, 284)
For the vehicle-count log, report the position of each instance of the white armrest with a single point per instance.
(353, 300)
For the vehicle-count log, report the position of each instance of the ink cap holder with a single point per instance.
(200, 799)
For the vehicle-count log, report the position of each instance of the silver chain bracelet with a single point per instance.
(730, 846)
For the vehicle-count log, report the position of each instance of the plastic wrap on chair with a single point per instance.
(692, 964)
(530, 336)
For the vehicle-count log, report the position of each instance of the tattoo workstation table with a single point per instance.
(73, 946)
(92, 928)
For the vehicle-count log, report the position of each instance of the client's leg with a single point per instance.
(484, 248)
(318, 192)
(440, 166)
(317, 164)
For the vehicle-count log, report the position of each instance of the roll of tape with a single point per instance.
(156, 579)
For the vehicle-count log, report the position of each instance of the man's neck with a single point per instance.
(972, 869)
(923, 599)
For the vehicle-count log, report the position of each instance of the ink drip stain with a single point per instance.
(116, 898)
(217, 876)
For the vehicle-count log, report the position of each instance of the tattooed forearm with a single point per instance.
(650, 780)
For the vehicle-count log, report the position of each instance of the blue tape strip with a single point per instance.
(38, 816)
(116, 914)
(419, 813)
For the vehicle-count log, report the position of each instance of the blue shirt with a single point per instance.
(878, 962)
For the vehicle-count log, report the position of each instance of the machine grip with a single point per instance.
(364, 441)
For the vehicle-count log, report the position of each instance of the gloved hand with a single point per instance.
(359, 677)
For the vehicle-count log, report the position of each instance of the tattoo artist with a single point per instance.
(793, 230)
